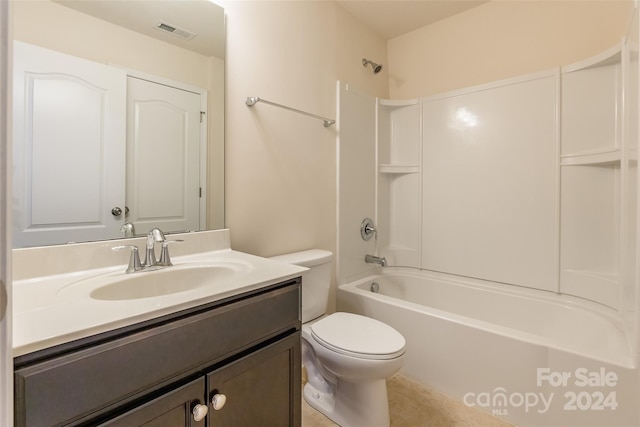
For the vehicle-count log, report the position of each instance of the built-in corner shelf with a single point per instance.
(594, 160)
(398, 102)
(399, 149)
(398, 169)
(598, 157)
(591, 102)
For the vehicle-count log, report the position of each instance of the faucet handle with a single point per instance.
(368, 229)
(134, 259)
(165, 260)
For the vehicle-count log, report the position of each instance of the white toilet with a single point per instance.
(347, 356)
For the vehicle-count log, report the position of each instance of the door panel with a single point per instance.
(163, 157)
(65, 104)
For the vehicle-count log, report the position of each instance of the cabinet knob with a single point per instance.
(218, 400)
(199, 412)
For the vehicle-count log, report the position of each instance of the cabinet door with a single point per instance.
(175, 408)
(261, 389)
(68, 148)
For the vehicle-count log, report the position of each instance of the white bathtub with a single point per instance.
(535, 359)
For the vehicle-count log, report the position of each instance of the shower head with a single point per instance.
(375, 67)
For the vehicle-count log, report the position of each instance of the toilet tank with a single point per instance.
(315, 281)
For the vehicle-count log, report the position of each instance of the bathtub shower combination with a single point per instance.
(507, 214)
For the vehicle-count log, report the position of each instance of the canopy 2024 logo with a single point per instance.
(580, 397)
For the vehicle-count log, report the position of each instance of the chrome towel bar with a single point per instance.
(253, 100)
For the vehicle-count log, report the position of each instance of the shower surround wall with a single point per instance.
(462, 181)
(529, 181)
(488, 183)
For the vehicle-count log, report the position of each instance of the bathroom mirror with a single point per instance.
(161, 41)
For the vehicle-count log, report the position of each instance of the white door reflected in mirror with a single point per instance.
(163, 157)
(68, 147)
(80, 128)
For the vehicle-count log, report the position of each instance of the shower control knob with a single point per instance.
(367, 229)
(218, 400)
(199, 412)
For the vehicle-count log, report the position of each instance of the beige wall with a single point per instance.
(502, 39)
(281, 166)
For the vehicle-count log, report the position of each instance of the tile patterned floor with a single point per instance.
(413, 405)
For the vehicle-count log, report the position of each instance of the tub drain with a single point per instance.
(375, 287)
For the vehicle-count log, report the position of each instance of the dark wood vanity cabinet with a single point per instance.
(245, 351)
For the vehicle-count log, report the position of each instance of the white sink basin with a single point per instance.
(141, 285)
(186, 277)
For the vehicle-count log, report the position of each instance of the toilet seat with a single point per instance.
(358, 336)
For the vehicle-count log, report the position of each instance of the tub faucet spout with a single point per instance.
(372, 259)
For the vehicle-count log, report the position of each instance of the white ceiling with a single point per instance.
(391, 18)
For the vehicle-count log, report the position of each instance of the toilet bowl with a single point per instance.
(347, 356)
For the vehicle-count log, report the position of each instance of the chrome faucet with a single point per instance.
(372, 259)
(154, 235)
(150, 261)
(128, 229)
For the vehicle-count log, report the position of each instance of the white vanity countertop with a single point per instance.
(45, 316)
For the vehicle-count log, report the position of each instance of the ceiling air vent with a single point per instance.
(176, 31)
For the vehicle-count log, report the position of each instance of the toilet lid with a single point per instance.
(358, 336)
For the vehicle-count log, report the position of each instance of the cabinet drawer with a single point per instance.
(71, 388)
